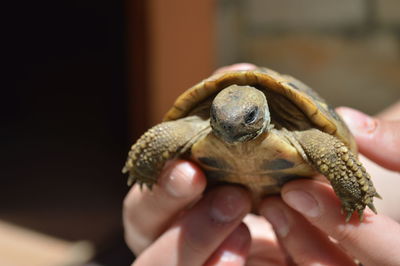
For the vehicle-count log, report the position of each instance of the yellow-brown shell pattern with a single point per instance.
(312, 105)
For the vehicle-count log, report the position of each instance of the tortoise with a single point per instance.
(259, 129)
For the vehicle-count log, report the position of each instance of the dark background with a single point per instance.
(64, 130)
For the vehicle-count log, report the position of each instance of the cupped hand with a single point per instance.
(174, 225)
(307, 216)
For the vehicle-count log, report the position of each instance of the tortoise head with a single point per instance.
(239, 114)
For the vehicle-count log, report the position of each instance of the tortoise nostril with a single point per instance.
(227, 127)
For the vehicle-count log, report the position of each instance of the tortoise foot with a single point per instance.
(348, 177)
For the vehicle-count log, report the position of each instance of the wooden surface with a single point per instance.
(20, 246)
(181, 49)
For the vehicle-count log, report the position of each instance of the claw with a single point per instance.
(372, 207)
(124, 170)
(149, 186)
(348, 216)
(361, 215)
(130, 181)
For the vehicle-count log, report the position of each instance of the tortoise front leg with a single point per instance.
(160, 143)
(334, 160)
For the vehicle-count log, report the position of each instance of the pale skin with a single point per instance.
(178, 223)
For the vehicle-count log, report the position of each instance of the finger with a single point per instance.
(146, 213)
(199, 232)
(391, 113)
(384, 181)
(305, 244)
(234, 250)
(235, 67)
(373, 241)
(265, 248)
(377, 139)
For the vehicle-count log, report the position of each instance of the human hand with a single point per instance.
(161, 229)
(304, 233)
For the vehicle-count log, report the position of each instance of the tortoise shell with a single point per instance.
(319, 113)
(294, 134)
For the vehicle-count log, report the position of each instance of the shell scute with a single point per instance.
(306, 99)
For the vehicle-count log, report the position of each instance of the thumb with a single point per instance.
(377, 139)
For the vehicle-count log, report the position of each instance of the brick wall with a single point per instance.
(347, 50)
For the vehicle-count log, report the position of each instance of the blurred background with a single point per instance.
(85, 78)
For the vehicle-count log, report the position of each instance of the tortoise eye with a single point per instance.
(251, 117)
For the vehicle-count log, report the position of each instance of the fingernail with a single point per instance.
(277, 217)
(229, 257)
(227, 204)
(358, 122)
(238, 243)
(302, 202)
(178, 178)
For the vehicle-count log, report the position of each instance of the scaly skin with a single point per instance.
(334, 160)
(160, 143)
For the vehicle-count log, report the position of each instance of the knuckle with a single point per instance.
(193, 245)
(345, 234)
(136, 243)
(134, 232)
(137, 240)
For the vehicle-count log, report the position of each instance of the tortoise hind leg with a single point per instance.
(160, 143)
(334, 160)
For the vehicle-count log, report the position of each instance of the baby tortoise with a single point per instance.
(256, 128)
